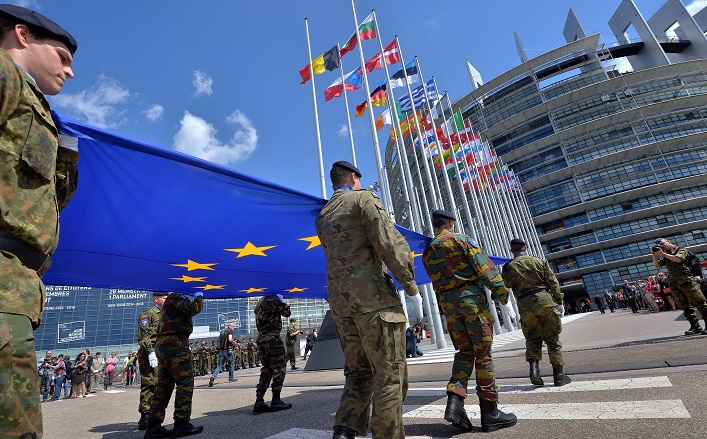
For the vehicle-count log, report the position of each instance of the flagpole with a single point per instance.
(322, 184)
(346, 106)
(374, 133)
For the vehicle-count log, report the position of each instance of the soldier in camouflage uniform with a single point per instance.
(244, 354)
(38, 177)
(205, 356)
(251, 354)
(194, 349)
(256, 354)
(360, 244)
(686, 292)
(237, 354)
(292, 333)
(537, 292)
(459, 270)
(213, 358)
(147, 324)
(175, 367)
(268, 319)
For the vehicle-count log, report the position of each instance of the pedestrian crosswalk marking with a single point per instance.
(651, 409)
(303, 433)
(574, 386)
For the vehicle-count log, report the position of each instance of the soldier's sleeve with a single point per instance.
(285, 311)
(190, 307)
(388, 243)
(682, 254)
(488, 273)
(552, 283)
(9, 88)
(143, 336)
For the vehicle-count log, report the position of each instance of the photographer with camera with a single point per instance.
(45, 375)
(686, 292)
(226, 345)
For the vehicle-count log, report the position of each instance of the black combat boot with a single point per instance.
(155, 430)
(185, 428)
(260, 405)
(277, 404)
(492, 418)
(695, 328)
(341, 432)
(211, 382)
(558, 374)
(455, 412)
(142, 423)
(535, 377)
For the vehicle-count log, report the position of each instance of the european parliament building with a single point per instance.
(105, 320)
(609, 160)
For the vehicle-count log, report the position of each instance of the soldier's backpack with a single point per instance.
(693, 263)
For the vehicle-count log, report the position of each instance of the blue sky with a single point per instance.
(219, 78)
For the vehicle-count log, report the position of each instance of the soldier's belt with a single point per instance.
(29, 256)
(533, 292)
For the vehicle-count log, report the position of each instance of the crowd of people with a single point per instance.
(81, 375)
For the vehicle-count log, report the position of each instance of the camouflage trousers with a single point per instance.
(291, 355)
(148, 380)
(470, 326)
(174, 369)
(374, 349)
(688, 296)
(272, 355)
(542, 325)
(20, 406)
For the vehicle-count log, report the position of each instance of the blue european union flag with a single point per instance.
(147, 217)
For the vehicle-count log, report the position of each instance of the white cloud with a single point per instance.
(31, 4)
(98, 105)
(197, 137)
(696, 6)
(202, 83)
(343, 130)
(154, 113)
(623, 65)
(431, 24)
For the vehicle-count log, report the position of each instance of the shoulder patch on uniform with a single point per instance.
(144, 322)
(473, 242)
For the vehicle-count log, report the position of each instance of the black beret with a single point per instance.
(293, 319)
(515, 242)
(159, 293)
(39, 21)
(346, 165)
(439, 213)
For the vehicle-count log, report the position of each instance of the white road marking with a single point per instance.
(652, 409)
(303, 433)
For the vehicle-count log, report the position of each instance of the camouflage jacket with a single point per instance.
(147, 324)
(37, 179)
(526, 273)
(458, 268)
(177, 314)
(291, 341)
(678, 272)
(359, 241)
(269, 312)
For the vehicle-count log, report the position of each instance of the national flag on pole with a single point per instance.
(329, 60)
(398, 79)
(352, 81)
(418, 96)
(391, 54)
(378, 99)
(384, 119)
(442, 108)
(366, 31)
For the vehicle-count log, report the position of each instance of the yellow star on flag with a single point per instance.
(211, 287)
(186, 278)
(295, 290)
(253, 290)
(250, 250)
(414, 255)
(191, 265)
(312, 240)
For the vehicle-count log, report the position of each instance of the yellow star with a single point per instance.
(191, 265)
(249, 250)
(186, 278)
(253, 290)
(414, 255)
(312, 240)
(295, 290)
(211, 287)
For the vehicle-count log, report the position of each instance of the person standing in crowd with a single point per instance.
(39, 177)
(538, 294)
(360, 241)
(59, 369)
(147, 323)
(629, 292)
(78, 376)
(664, 292)
(88, 362)
(458, 268)
(97, 369)
(686, 292)
(292, 333)
(174, 367)
(600, 303)
(111, 364)
(268, 319)
(44, 368)
(609, 299)
(226, 344)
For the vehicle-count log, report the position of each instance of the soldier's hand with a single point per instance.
(561, 308)
(152, 358)
(417, 300)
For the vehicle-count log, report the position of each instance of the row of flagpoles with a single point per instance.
(449, 147)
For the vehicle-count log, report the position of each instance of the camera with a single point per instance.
(655, 248)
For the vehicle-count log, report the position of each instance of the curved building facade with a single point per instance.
(608, 160)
